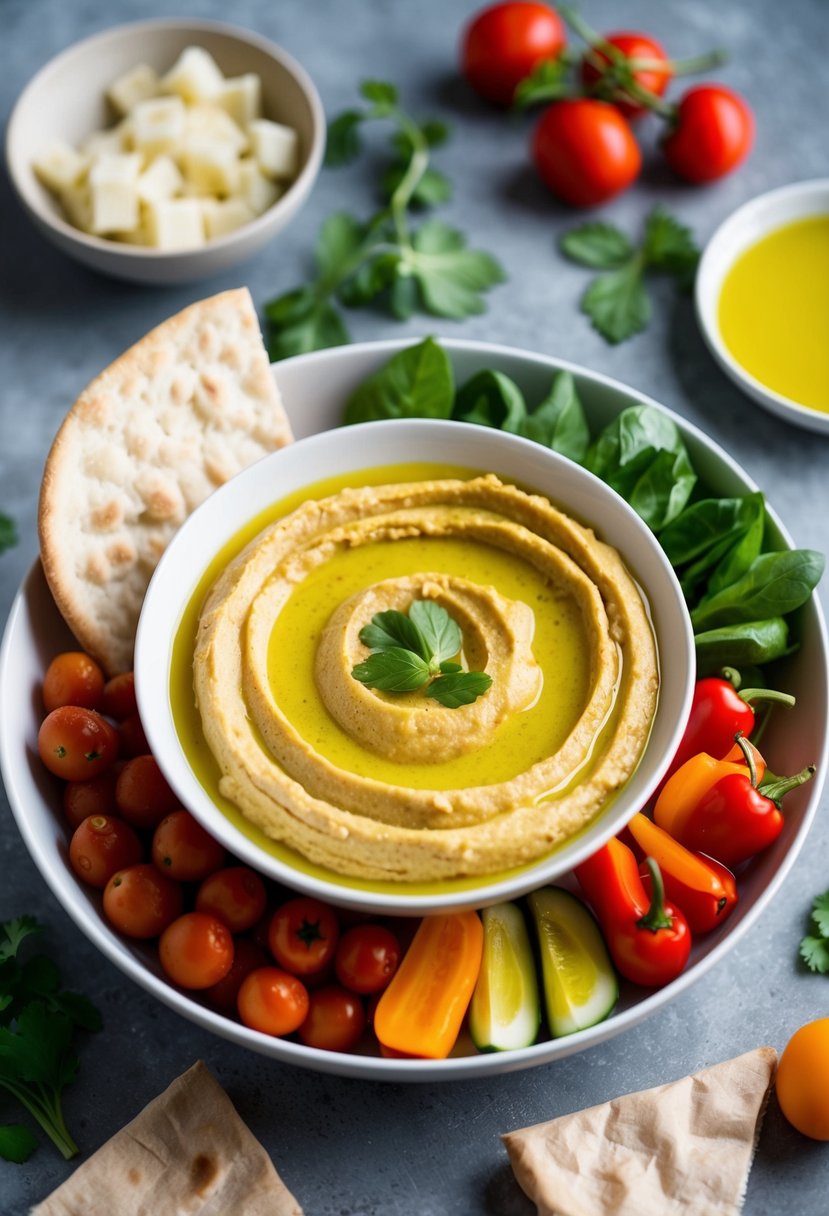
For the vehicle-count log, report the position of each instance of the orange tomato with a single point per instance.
(803, 1080)
(303, 936)
(132, 737)
(73, 678)
(119, 697)
(247, 957)
(140, 902)
(196, 951)
(76, 743)
(272, 1001)
(142, 794)
(94, 797)
(335, 1021)
(100, 846)
(182, 849)
(236, 896)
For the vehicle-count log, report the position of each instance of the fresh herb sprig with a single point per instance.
(38, 1023)
(814, 949)
(411, 650)
(8, 533)
(425, 268)
(618, 303)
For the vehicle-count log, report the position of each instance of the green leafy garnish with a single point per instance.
(774, 585)
(814, 950)
(8, 533)
(383, 258)
(38, 1023)
(618, 303)
(410, 651)
(418, 382)
(820, 913)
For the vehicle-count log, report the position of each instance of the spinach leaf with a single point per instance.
(704, 525)
(774, 585)
(559, 421)
(416, 383)
(742, 645)
(491, 399)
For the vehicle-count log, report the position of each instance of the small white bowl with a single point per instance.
(372, 444)
(747, 225)
(66, 100)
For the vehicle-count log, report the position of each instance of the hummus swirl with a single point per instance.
(363, 826)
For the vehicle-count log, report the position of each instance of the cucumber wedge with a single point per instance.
(506, 1011)
(580, 984)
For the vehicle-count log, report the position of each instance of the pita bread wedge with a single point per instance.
(187, 1152)
(168, 422)
(683, 1149)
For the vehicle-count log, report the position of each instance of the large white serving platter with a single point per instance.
(314, 388)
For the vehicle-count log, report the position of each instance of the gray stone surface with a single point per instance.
(348, 1148)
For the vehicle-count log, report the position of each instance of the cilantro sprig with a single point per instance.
(411, 650)
(384, 259)
(38, 1023)
(8, 533)
(814, 949)
(618, 303)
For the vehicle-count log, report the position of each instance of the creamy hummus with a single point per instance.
(380, 785)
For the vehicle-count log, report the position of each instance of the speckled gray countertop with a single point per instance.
(349, 1148)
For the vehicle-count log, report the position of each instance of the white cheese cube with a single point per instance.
(210, 122)
(113, 184)
(258, 191)
(103, 143)
(77, 203)
(275, 147)
(139, 84)
(223, 217)
(176, 223)
(158, 125)
(59, 167)
(195, 76)
(212, 168)
(241, 97)
(160, 180)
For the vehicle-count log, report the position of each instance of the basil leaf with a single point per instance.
(8, 533)
(17, 1142)
(602, 246)
(416, 383)
(440, 633)
(774, 585)
(559, 421)
(742, 645)
(491, 399)
(461, 689)
(451, 277)
(394, 670)
(618, 304)
(449, 669)
(343, 144)
(392, 629)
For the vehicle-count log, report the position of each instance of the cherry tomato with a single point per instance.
(247, 957)
(272, 1001)
(803, 1080)
(713, 133)
(76, 743)
(503, 43)
(633, 46)
(94, 797)
(584, 151)
(142, 794)
(196, 951)
(303, 936)
(133, 740)
(139, 902)
(73, 678)
(335, 1020)
(236, 896)
(119, 697)
(100, 846)
(183, 850)
(367, 958)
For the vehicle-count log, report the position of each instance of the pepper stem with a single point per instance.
(656, 917)
(732, 676)
(766, 694)
(746, 749)
(776, 789)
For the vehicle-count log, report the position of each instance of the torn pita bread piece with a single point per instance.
(188, 1151)
(168, 422)
(683, 1149)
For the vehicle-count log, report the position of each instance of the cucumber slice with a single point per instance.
(506, 1011)
(580, 984)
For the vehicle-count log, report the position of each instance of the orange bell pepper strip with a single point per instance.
(682, 792)
(705, 890)
(421, 1011)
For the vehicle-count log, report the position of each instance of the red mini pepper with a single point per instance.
(648, 939)
(705, 890)
(716, 807)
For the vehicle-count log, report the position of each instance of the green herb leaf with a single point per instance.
(17, 1143)
(8, 533)
(440, 633)
(741, 645)
(390, 630)
(742, 554)
(343, 144)
(451, 278)
(815, 953)
(433, 187)
(548, 81)
(317, 330)
(820, 913)
(416, 383)
(670, 246)
(369, 280)
(618, 304)
(449, 669)
(393, 670)
(602, 246)
(460, 689)
(13, 933)
(705, 524)
(339, 238)
(491, 399)
(559, 422)
(380, 93)
(774, 585)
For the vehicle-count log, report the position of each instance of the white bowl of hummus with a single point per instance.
(255, 624)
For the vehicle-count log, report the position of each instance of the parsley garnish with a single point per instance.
(814, 950)
(8, 533)
(618, 303)
(423, 269)
(410, 651)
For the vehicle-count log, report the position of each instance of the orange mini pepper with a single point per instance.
(421, 1011)
(705, 890)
